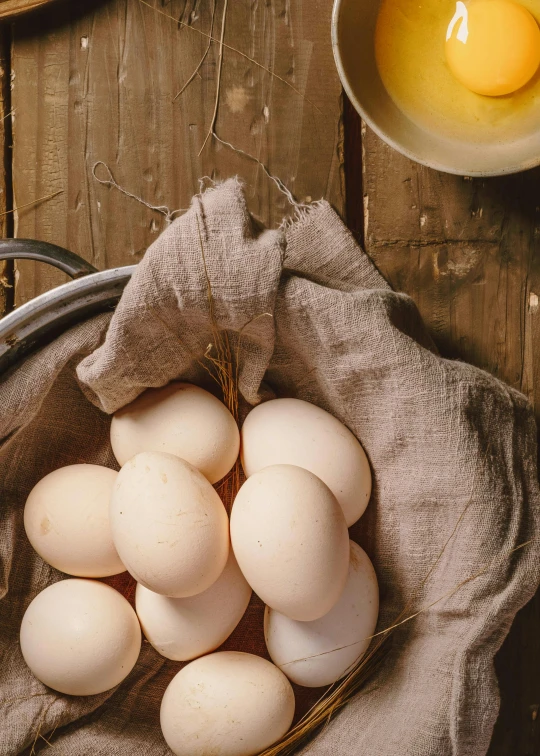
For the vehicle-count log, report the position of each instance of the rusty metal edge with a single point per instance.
(36, 323)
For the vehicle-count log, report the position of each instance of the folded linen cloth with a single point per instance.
(452, 449)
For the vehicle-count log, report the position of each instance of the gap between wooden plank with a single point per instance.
(353, 166)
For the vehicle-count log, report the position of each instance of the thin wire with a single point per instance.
(277, 181)
(111, 181)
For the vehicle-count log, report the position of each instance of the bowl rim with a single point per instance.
(524, 166)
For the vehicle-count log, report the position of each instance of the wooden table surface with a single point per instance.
(102, 80)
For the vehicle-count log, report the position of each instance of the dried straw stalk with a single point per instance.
(224, 369)
(15, 7)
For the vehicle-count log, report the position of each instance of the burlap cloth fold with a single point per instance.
(444, 440)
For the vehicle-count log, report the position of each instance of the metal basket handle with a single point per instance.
(31, 249)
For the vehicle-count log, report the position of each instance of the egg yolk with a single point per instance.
(493, 46)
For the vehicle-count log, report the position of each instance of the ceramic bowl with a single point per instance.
(353, 33)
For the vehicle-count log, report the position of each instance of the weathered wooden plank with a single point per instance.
(100, 85)
(6, 220)
(470, 257)
(468, 252)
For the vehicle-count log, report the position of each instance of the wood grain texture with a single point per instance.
(468, 252)
(10, 8)
(100, 86)
(6, 220)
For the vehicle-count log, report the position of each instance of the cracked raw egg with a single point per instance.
(493, 46)
(468, 71)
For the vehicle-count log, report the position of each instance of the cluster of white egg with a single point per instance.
(161, 519)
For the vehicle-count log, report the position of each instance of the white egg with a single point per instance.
(179, 419)
(80, 637)
(169, 525)
(294, 432)
(66, 518)
(226, 704)
(319, 653)
(290, 539)
(184, 628)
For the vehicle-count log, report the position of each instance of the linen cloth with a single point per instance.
(452, 450)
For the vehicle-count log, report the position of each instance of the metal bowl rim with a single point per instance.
(79, 287)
